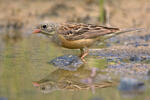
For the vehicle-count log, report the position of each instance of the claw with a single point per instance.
(83, 60)
(83, 55)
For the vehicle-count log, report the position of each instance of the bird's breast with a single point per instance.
(75, 44)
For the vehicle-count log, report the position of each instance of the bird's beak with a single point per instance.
(36, 31)
(35, 84)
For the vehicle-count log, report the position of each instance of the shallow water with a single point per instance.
(26, 61)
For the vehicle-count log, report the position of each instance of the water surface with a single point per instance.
(25, 62)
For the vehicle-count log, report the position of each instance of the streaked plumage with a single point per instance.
(77, 36)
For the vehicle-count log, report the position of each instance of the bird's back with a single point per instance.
(73, 32)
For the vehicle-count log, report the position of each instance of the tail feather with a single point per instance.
(129, 30)
(121, 31)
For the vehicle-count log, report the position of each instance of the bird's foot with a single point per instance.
(83, 60)
(83, 56)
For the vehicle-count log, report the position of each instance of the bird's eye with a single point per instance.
(44, 26)
(43, 88)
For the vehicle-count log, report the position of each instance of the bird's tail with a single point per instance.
(121, 31)
(130, 30)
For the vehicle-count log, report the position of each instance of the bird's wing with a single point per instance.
(84, 31)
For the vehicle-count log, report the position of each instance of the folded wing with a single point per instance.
(84, 31)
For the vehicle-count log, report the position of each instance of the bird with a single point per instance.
(78, 35)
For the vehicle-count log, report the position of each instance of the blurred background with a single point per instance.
(25, 14)
(24, 57)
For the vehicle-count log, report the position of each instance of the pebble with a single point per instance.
(67, 62)
(96, 98)
(131, 85)
(3, 98)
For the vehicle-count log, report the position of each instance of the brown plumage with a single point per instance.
(77, 36)
(82, 31)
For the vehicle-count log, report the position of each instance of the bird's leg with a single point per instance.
(84, 54)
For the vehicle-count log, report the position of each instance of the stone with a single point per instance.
(67, 62)
(131, 85)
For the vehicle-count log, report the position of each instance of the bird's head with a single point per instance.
(46, 28)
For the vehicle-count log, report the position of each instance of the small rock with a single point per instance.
(131, 85)
(3, 98)
(148, 73)
(96, 98)
(134, 58)
(146, 37)
(67, 62)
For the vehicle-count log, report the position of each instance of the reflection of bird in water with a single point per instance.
(78, 36)
(72, 80)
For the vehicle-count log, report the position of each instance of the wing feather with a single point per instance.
(84, 31)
